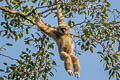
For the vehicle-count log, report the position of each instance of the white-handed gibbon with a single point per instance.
(64, 41)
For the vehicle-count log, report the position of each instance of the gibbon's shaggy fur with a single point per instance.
(64, 41)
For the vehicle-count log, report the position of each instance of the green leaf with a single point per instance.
(51, 53)
(51, 74)
(107, 67)
(107, 4)
(87, 43)
(110, 71)
(70, 14)
(117, 75)
(21, 79)
(20, 34)
(51, 46)
(1, 78)
(20, 61)
(69, 22)
(35, 54)
(82, 46)
(5, 63)
(1, 70)
(34, 1)
(7, 70)
(17, 6)
(44, 1)
(72, 2)
(27, 30)
(104, 10)
(102, 55)
(2, 23)
(91, 49)
(113, 73)
(9, 44)
(119, 46)
(54, 63)
(31, 7)
(15, 34)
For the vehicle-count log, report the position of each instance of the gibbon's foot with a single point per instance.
(70, 72)
(77, 74)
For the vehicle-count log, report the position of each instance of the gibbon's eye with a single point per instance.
(63, 29)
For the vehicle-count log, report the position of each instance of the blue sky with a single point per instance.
(91, 68)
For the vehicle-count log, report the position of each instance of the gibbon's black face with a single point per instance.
(63, 29)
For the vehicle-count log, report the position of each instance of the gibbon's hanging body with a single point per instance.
(64, 41)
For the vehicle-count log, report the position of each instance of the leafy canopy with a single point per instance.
(94, 25)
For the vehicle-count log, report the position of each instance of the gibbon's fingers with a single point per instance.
(77, 74)
(70, 72)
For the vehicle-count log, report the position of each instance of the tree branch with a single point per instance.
(78, 23)
(43, 11)
(17, 12)
(8, 57)
(93, 39)
(46, 11)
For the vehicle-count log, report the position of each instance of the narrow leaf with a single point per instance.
(9, 44)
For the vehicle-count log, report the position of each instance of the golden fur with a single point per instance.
(64, 41)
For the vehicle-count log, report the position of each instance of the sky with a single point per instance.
(90, 66)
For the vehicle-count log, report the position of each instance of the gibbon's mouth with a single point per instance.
(63, 29)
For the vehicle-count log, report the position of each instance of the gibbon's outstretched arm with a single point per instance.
(60, 15)
(45, 28)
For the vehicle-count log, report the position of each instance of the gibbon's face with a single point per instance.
(63, 29)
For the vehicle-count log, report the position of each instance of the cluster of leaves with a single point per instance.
(94, 29)
(32, 65)
(98, 29)
(35, 66)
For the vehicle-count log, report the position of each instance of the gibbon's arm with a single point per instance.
(45, 28)
(60, 15)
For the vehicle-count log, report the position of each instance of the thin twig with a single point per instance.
(17, 12)
(46, 15)
(43, 11)
(93, 39)
(79, 23)
(46, 11)
(8, 57)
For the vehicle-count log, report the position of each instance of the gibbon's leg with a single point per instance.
(76, 65)
(67, 62)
